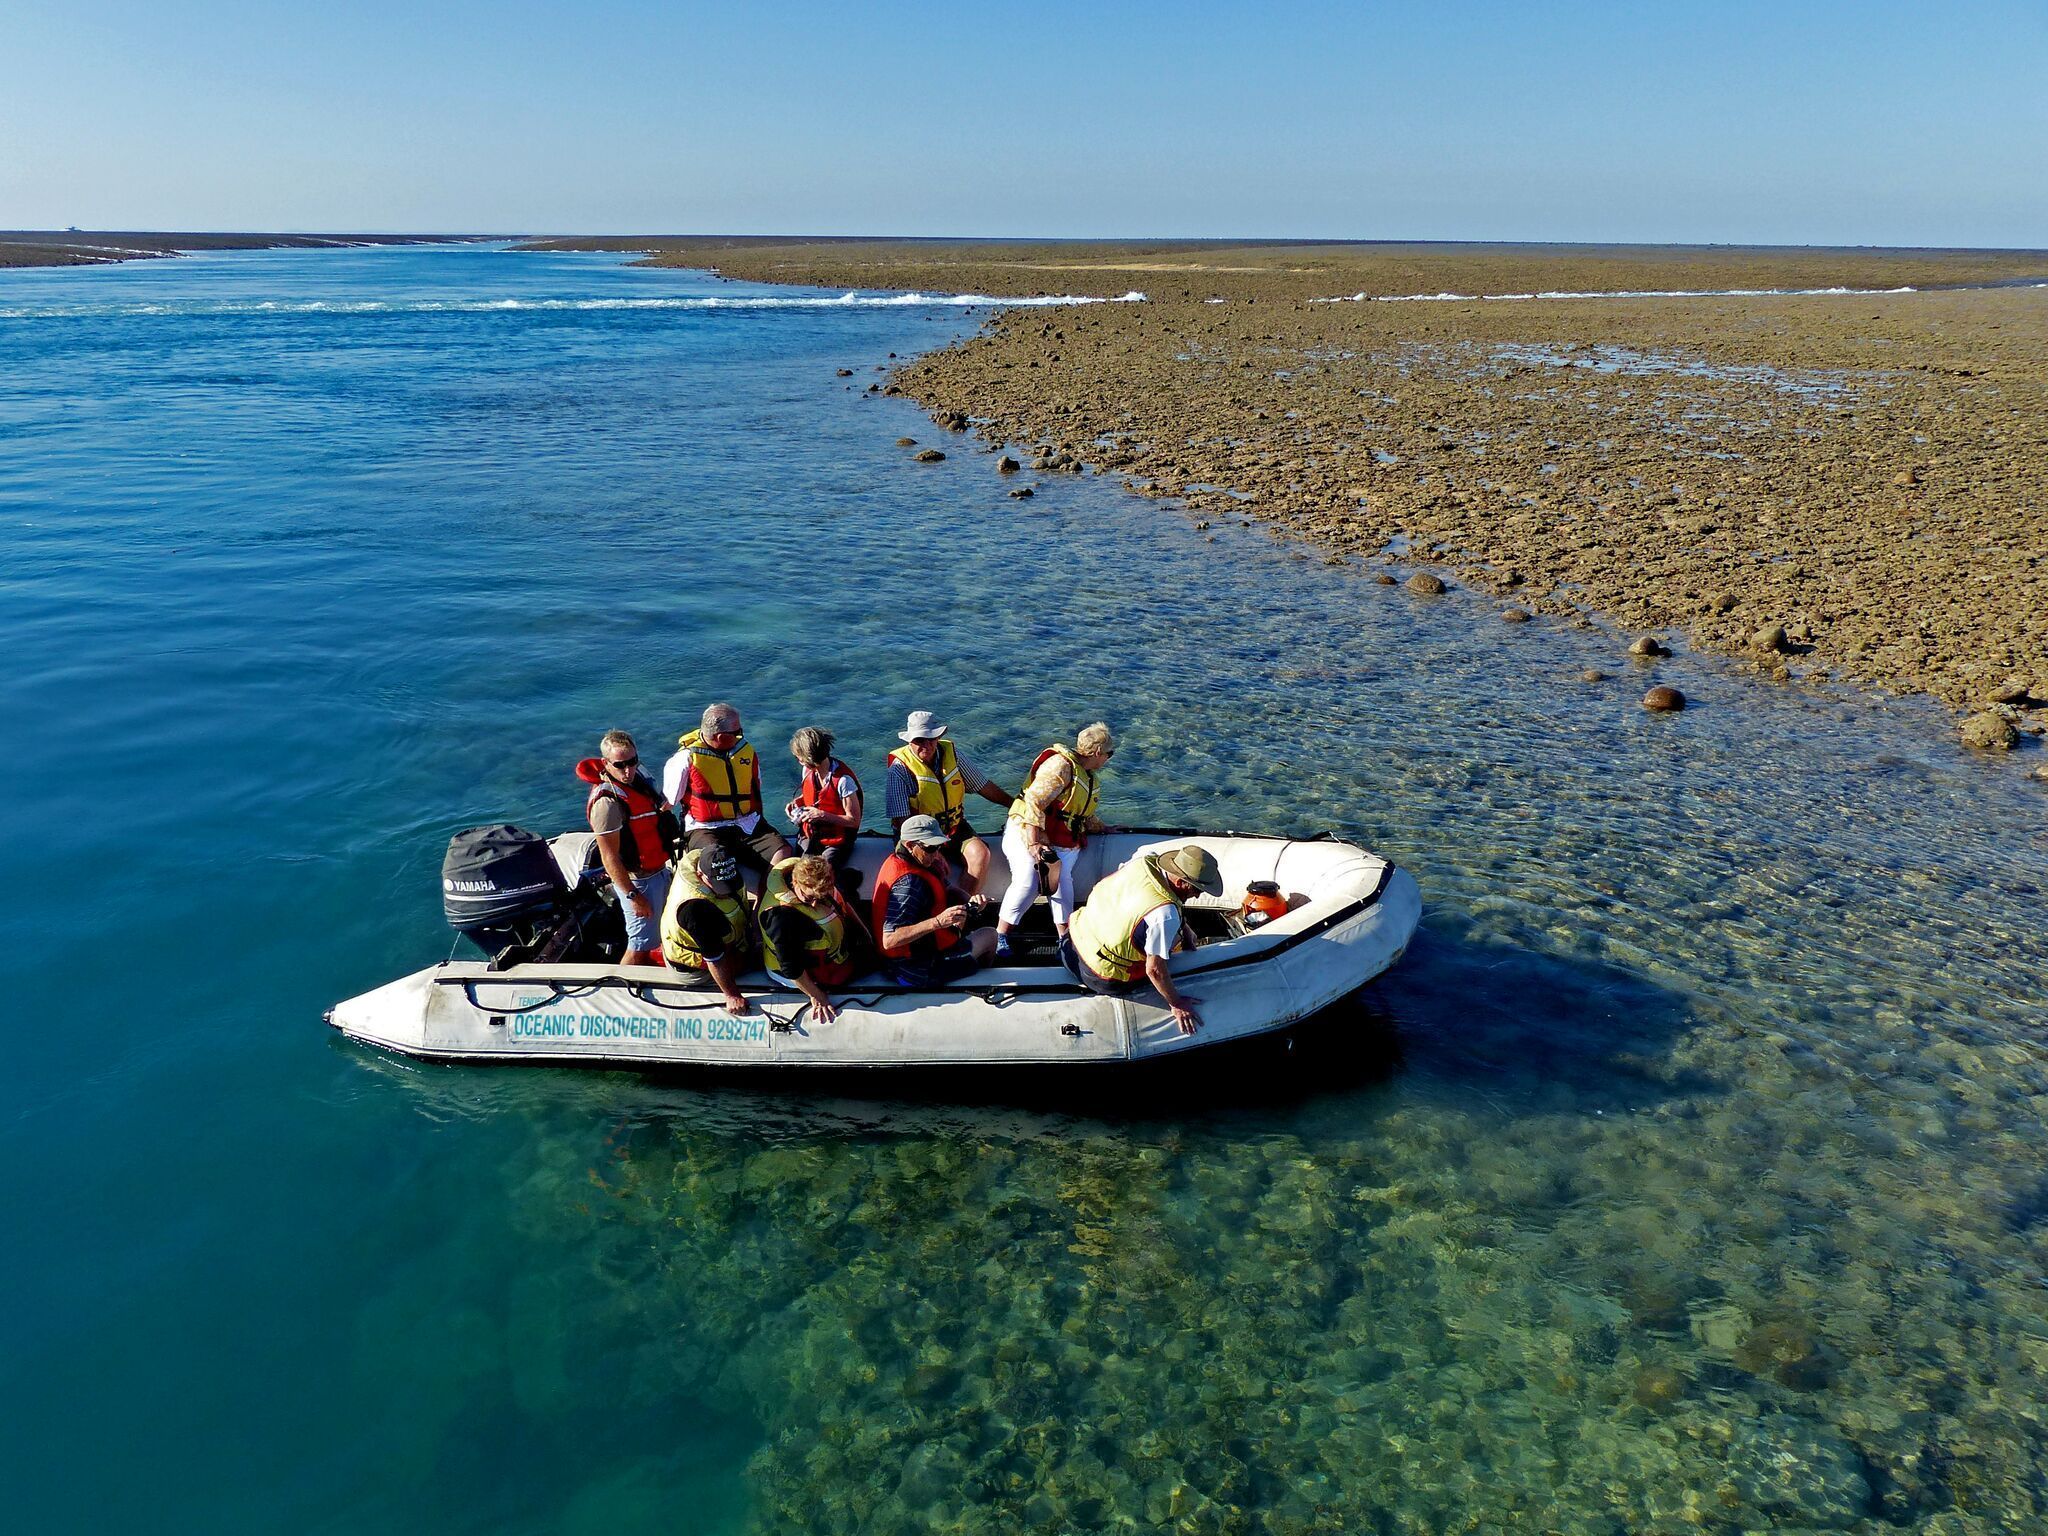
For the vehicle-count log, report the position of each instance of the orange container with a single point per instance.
(1262, 903)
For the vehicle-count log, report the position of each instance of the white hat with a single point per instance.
(922, 725)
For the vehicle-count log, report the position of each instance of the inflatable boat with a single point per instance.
(1348, 917)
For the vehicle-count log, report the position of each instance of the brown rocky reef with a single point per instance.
(1852, 484)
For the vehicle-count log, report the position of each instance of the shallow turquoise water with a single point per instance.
(1689, 1174)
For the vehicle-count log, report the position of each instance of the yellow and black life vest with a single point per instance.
(1105, 929)
(720, 786)
(936, 789)
(1068, 827)
(688, 885)
(828, 949)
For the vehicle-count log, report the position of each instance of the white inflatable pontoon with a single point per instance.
(1350, 917)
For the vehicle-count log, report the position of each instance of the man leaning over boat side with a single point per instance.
(1132, 922)
(931, 776)
(626, 812)
(715, 777)
(705, 931)
(920, 920)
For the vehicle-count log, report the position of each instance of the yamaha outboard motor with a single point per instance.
(502, 888)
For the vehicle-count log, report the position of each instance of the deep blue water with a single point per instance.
(1720, 1024)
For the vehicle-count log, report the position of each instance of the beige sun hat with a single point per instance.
(924, 831)
(1196, 865)
(922, 725)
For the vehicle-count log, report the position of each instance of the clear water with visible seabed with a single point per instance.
(1689, 1175)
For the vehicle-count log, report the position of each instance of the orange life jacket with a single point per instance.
(822, 791)
(894, 868)
(640, 845)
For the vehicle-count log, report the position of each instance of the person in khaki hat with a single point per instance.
(1132, 921)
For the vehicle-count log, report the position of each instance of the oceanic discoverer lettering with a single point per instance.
(617, 1026)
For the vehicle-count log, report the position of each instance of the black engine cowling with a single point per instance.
(502, 888)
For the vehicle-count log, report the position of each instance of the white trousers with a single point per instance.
(1024, 879)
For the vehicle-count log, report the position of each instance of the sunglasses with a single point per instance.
(622, 762)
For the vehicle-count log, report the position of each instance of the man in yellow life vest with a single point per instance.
(1131, 922)
(704, 930)
(931, 776)
(811, 938)
(715, 780)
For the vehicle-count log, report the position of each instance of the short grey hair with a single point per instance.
(1094, 738)
(812, 746)
(713, 713)
(615, 739)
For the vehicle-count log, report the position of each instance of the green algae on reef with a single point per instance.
(1363, 1328)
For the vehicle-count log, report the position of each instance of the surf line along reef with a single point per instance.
(1828, 464)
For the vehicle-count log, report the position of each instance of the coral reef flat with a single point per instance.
(1840, 483)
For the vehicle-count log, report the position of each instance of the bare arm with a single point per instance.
(854, 807)
(621, 879)
(727, 975)
(1181, 1004)
(821, 1002)
(953, 917)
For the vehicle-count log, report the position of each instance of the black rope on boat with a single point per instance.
(644, 991)
(556, 993)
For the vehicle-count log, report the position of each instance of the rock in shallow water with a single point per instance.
(1593, 675)
(1990, 732)
(1798, 1470)
(1788, 1352)
(1516, 616)
(1648, 645)
(1659, 1387)
(929, 456)
(1426, 584)
(1663, 699)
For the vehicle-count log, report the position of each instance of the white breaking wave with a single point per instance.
(1619, 293)
(506, 306)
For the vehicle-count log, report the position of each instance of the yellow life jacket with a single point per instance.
(936, 789)
(1077, 809)
(829, 948)
(688, 885)
(720, 786)
(1105, 929)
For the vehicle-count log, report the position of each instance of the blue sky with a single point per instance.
(1876, 123)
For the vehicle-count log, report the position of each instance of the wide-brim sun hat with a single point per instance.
(922, 725)
(1196, 865)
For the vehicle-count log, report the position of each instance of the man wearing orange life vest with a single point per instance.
(920, 921)
(625, 812)
(716, 778)
(930, 776)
